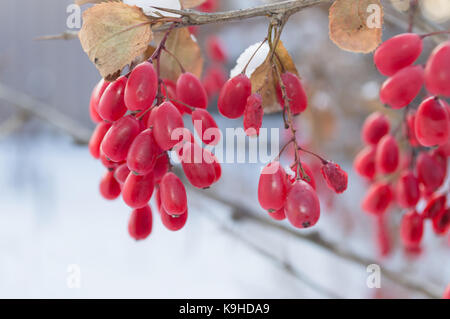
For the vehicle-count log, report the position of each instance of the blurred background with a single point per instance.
(60, 239)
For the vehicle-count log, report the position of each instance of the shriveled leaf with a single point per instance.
(265, 81)
(187, 4)
(181, 44)
(81, 2)
(356, 25)
(113, 35)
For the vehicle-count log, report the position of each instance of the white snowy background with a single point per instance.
(52, 217)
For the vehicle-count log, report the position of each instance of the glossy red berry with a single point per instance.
(411, 229)
(161, 167)
(198, 165)
(437, 71)
(279, 214)
(143, 152)
(215, 49)
(397, 53)
(109, 187)
(233, 96)
(375, 127)
(296, 94)
(410, 129)
(364, 163)
(388, 155)
(112, 105)
(97, 138)
(167, 119)
(96, 95)
(432, 123)
(335, 177)
(108, 163)
(435, 205)
(206, 127)
(137, 190)
(441, 222)
(253, 115)
(173, 194)
(141, 88)
(191, 92)
(171, 222)
(401, 89)
(430, 174)
(272, 187)
(302, 205)
(408, 192)
(121, 173)
(140, 223)
(118, 139)
(378, 198)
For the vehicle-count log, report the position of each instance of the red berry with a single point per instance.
(253, 115)
(279, 214)
(97, 138)
(109, 187)
(429, 172)
(437, 70)
(335, 177)
(378, 198)
(173, 223)
(141, 88)
(214, 79)
(302, 205)
(209, 6)
(436, 204)
(118, 139)
(191, 92)
(198, 165)
(272, 187)
(141, 158)
(167, 119)
(137, 190)
(309, 178)
(411, 229)
(397, 53)
(173, 194)
(364, 163)
(161, 167)
(215, 49)
(410, 129)
(140, 223)
(295, 93)
(121, 173)
(108, 163)
(375, 127)
(95, 99)
(388, 155)
(206, 127)
(432, 123)
(112, 105)
(446, 293)
(441, 222)
(233, 96)
(408, 192)
(401, 89)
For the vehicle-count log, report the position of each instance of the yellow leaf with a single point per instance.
(113, 35)
(356, 25)
(181, 44)
(265, 81)
(187, 4)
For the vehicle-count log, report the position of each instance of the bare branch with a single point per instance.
(46, 113)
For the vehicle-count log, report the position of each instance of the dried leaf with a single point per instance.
(356, 25)
(181, 44)
(187, 4)
(265, 81)
(113, 35)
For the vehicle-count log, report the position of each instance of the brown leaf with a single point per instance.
(187, 4)
(113, 35)
(181, 44)
(356, 27)
(265, 81)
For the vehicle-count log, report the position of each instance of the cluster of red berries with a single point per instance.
(136, 129)
(405, 175)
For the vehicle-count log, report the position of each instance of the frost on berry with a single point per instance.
(253, 115)
(335, 177)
